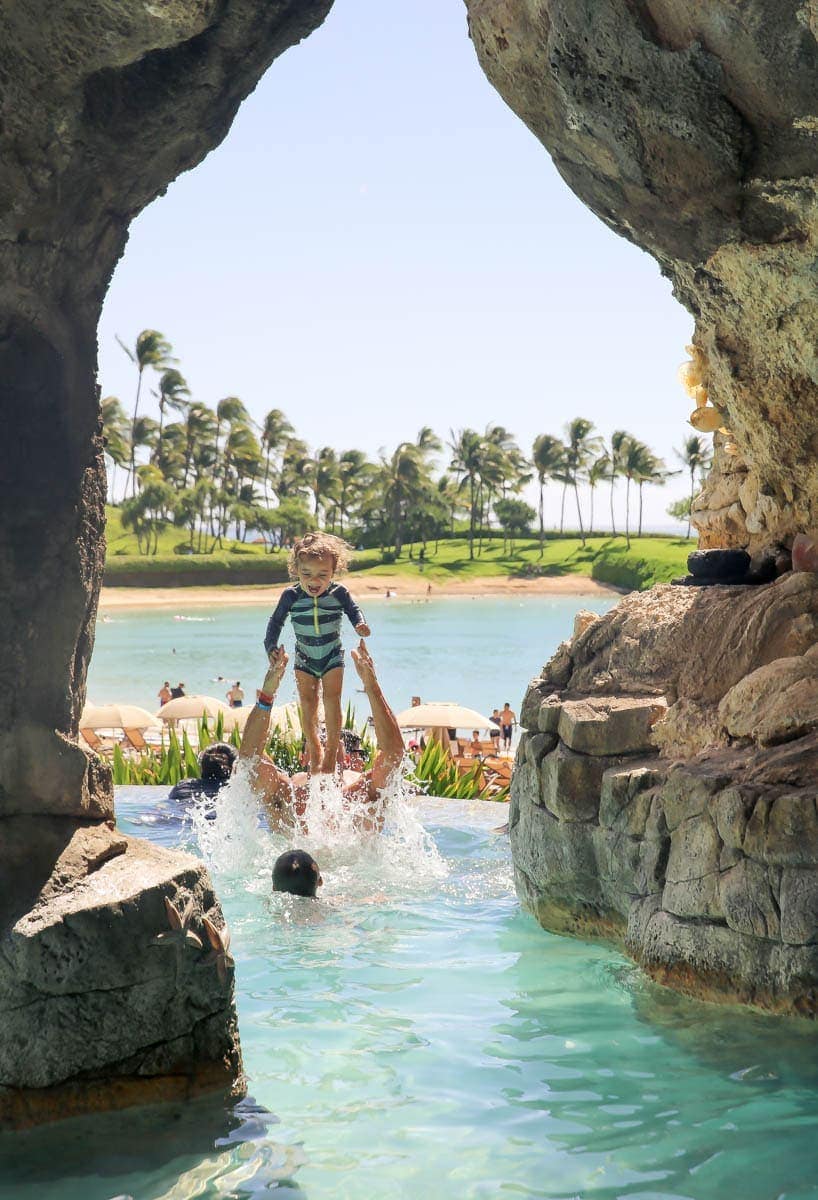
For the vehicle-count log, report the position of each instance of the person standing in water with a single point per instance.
(316, 604)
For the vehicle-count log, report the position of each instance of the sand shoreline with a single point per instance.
(363, 587)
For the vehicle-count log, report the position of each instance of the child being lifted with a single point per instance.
(316, 604)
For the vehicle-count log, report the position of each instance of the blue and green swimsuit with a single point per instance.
(316, 624)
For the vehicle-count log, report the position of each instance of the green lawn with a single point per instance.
(606, 559)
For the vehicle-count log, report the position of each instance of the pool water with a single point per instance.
(414, 1034)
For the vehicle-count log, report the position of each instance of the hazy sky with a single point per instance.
(380, 244)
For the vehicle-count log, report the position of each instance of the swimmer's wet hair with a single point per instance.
(315, 545)
(296, 872)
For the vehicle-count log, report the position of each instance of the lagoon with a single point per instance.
(479, 652)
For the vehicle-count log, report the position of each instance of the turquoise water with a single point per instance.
(479, 652)
(414, 1034)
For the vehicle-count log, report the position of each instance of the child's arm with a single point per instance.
(276, 622)
(352, 611)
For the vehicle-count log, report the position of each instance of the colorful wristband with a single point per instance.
(265, 699)
(263, 707)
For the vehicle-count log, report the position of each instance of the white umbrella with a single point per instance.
(117, 716)
(193, 708)
(285, 716)
(442, 714)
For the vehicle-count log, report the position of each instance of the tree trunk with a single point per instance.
(579, 514)
(613, 524)
(542, 523)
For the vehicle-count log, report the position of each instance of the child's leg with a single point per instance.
(332, 683)
(308, 699)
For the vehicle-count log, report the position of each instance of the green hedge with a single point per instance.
(196, 571)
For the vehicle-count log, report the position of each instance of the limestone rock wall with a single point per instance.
(102, 104)
(665, 789)
(690, 129)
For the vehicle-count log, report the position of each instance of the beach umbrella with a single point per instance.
(117, 716)
(442, 714)
(193, 708)
(283, 716)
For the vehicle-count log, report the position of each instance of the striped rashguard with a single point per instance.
(316, 624)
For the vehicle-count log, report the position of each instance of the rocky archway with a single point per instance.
(102, 106)
(690, 129)
(646, 804)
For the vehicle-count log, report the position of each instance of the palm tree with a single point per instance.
(151, 350)
(354, 474)
(548, 457)
(599, 469)
(467, 463)
(144, 432)
(696, 455)
(617, 441)
(200, 433)
(635, 459)
(402, 476)
(294, 469)
(324, 482)
(173, 393)
(275, 430)
(654, 471)
(115, 435)
(581, 447)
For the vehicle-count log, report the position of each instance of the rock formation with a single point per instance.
(690, 129)
(102, 106)
(648, 806)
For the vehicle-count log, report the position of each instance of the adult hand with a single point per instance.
(364, 664)
(275, 672)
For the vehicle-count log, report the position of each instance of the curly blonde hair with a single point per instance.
(316, 545)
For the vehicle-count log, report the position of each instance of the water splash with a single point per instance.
(356, 859)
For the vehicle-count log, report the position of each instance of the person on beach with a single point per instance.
(235, 696)
(164, 693)
(284, 798)
(508, 720)
(494, 732)
(475, 745)
(178, 691)
(316, 604)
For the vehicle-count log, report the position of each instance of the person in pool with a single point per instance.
(316, 604)
(284, 796)
(296, 872)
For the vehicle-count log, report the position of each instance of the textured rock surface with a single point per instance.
(704, 868)
(690, 129)
(93, 1012)
(101, 106)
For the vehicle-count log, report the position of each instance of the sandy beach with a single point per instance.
(371, 587)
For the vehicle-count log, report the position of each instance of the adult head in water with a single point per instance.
(216, 763)
(296, 872)
(284, 797)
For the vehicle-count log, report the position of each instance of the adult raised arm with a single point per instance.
(272, 784)
(391, 750)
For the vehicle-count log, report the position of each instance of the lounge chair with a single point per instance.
(96, 743)
(136, 739)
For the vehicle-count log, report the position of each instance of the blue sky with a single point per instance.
(380, 244)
